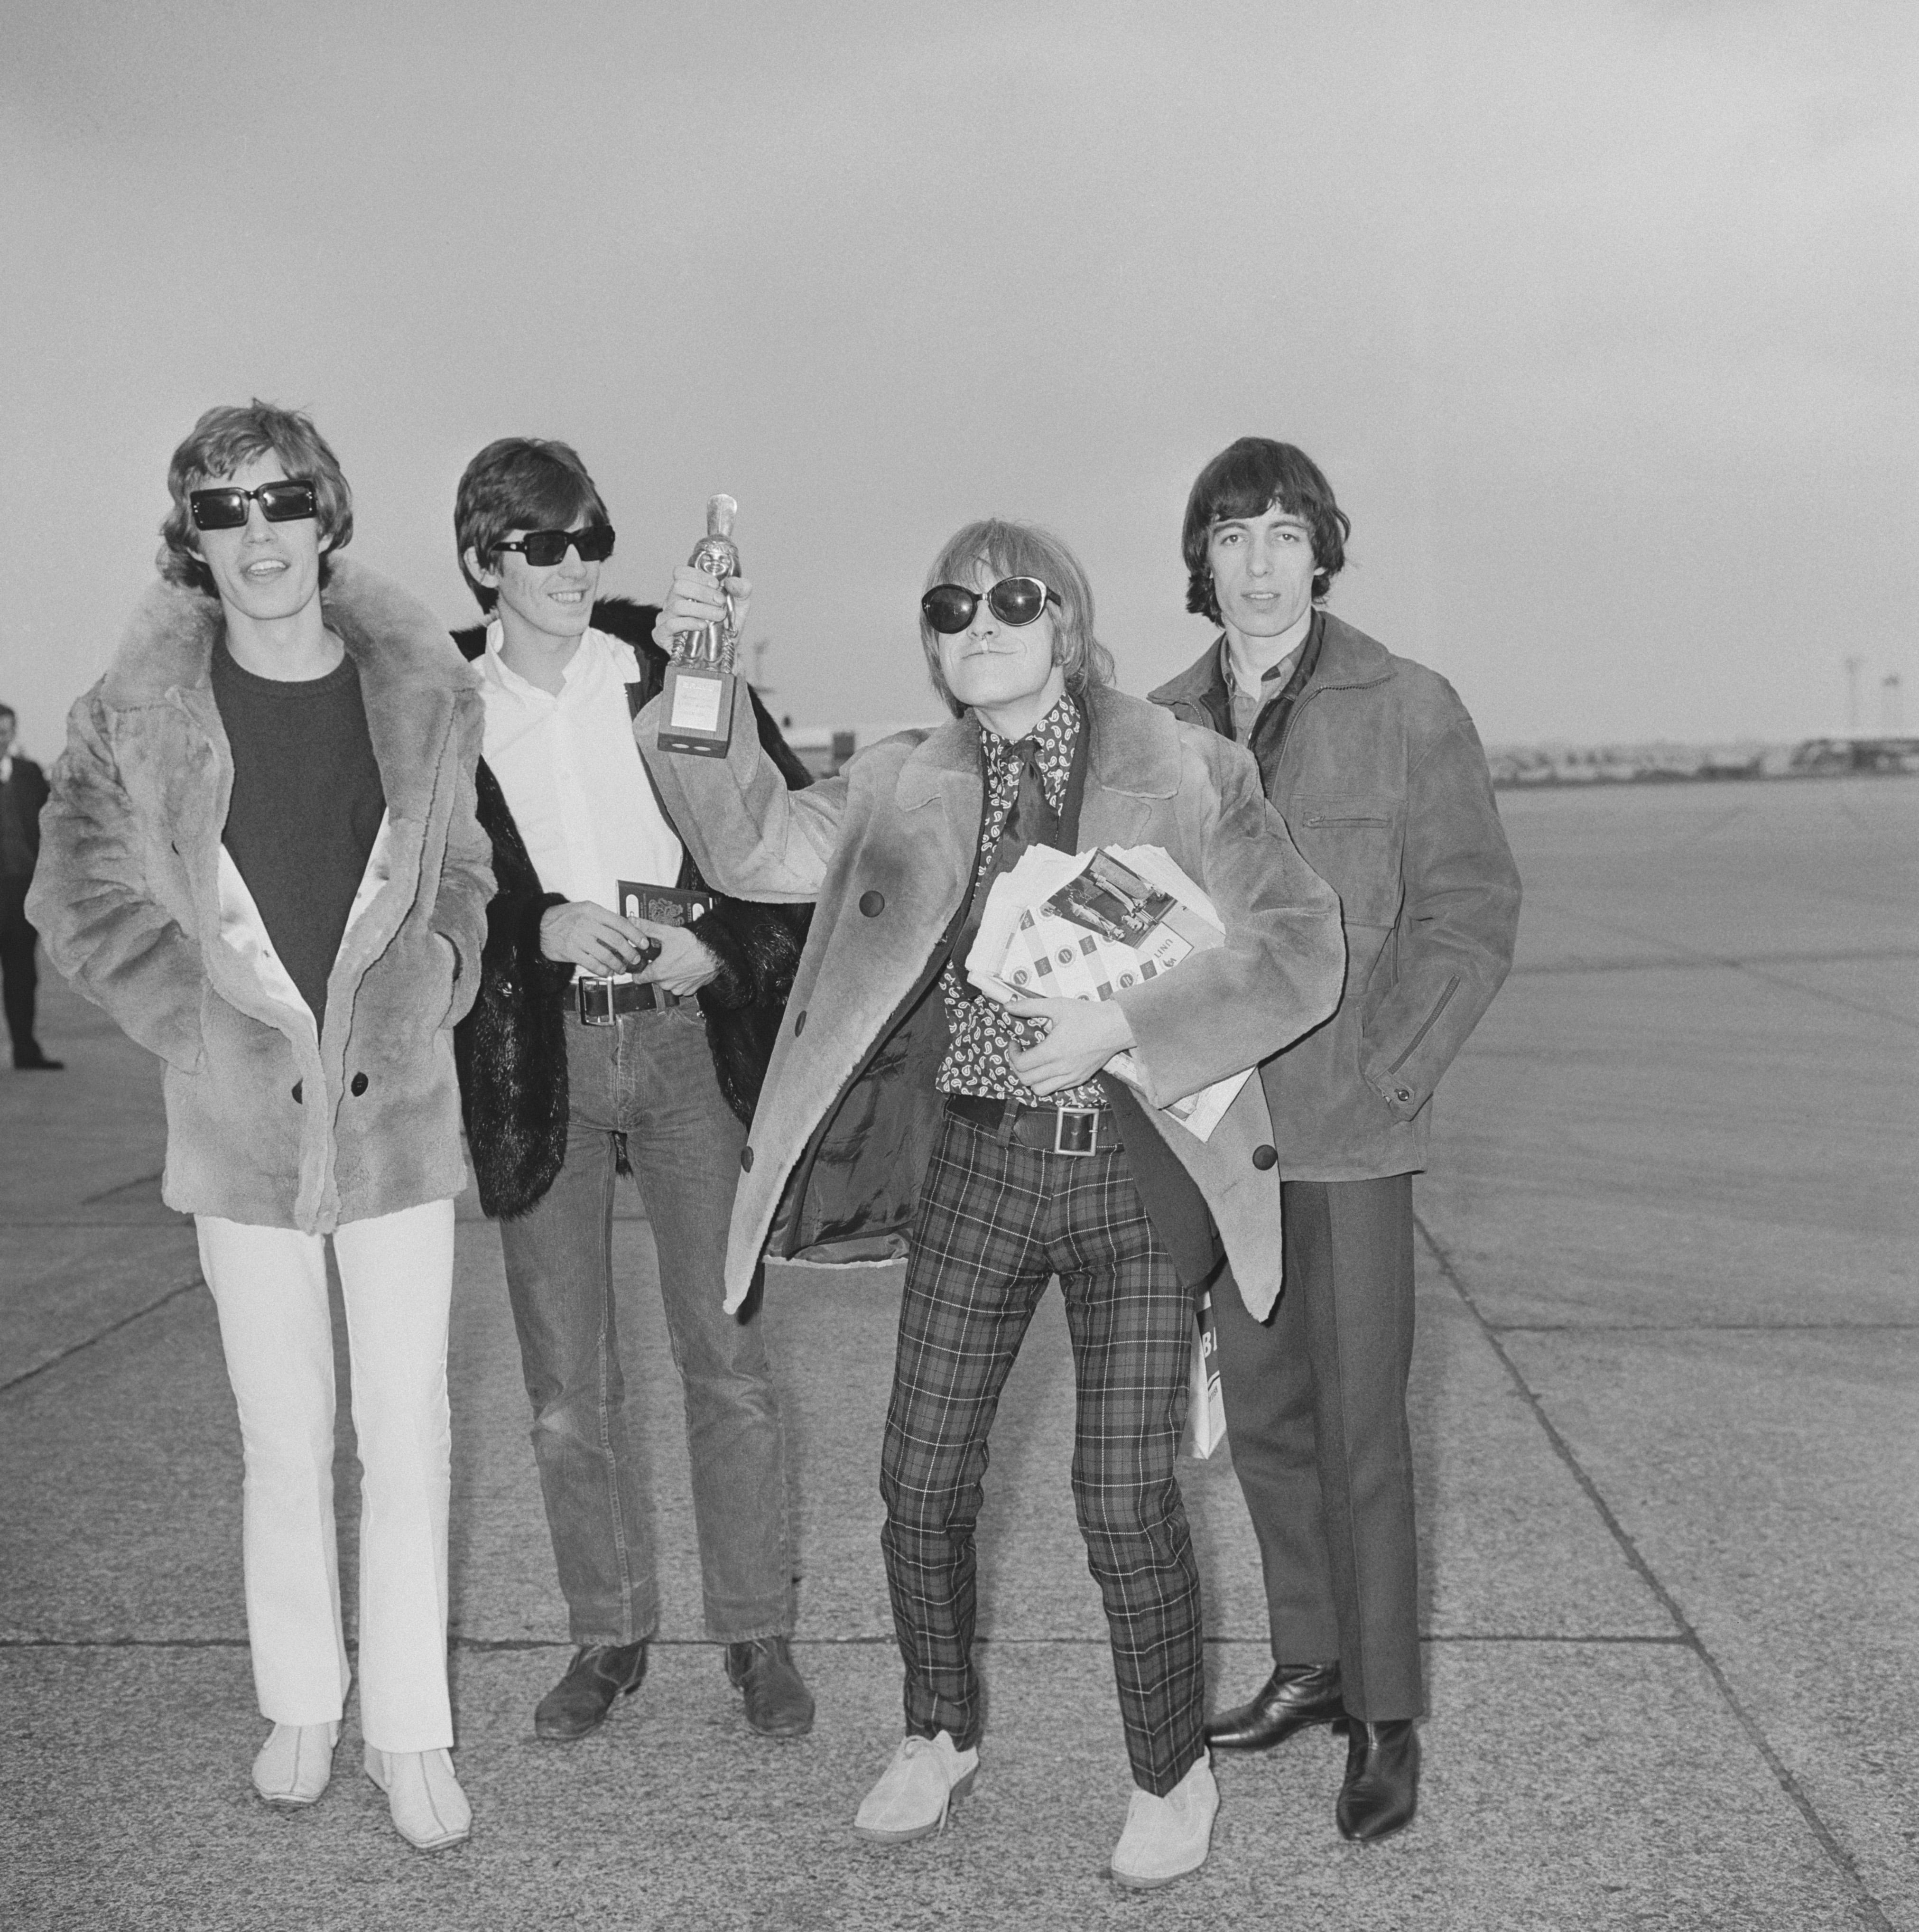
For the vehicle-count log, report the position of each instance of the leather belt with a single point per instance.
(600, 1002)
(1081, 1132)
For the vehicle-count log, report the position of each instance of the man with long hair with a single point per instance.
(261, 858)
(903, 1106)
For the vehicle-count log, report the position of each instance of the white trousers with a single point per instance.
(269, 1284)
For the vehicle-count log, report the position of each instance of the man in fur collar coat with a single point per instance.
(261, 857)
(901, 1100)
(601, 1043)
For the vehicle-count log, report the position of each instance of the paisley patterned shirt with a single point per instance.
(982, 1030)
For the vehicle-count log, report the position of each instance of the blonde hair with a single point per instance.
(1008, 549)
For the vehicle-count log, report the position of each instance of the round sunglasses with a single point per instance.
(1015, 601)
(225, 509)
(542, 548)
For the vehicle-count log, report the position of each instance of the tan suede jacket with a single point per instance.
(886, 849)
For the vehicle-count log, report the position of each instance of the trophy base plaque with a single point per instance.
(699, 710)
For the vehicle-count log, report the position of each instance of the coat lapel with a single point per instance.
(941, 793)
(1135, 773)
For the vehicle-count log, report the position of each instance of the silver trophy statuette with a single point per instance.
(718, 556)
(700, 680)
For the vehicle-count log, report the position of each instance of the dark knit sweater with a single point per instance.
(306, 807)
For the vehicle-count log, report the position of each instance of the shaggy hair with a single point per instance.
(1246, 479)
(519, 483)
(227, 438)
(1008, 549)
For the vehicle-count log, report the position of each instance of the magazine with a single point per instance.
(1088, 925)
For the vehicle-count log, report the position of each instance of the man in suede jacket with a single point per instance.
(1374, 764)
(602, 1043)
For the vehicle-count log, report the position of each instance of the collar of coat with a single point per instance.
(410, 675)
(1133, 751)
(1346, 657)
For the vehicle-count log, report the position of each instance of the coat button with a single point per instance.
(746, 1159)
(1402, 1094)
(1263, 1157)
(359, 1085)
(799, 1026)
(298, 1096)
(872, 904)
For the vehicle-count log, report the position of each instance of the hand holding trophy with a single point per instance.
(700, 680)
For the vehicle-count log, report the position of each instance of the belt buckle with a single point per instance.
(595, 1001)
(1083, 1133)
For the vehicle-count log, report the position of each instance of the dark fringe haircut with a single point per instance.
(519, 483)
(1246, 479)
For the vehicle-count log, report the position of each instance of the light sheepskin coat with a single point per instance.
(269, 1122)
(886, 849)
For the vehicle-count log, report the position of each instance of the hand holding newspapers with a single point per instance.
(1086, 925)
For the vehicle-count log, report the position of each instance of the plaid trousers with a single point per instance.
(997, 1221)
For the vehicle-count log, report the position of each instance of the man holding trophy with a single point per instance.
(625, 1015)
(904, 1107)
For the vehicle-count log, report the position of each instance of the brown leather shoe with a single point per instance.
(1382, 1787)
(778, 1703)
(579, 1703)
(1295, 1696)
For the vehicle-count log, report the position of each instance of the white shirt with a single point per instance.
(572, 775)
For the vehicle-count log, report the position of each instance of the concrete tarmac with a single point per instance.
(1663, 1403)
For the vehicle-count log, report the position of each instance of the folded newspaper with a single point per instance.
(1065, 926)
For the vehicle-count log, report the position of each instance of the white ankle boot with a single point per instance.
(1167, 1837)
(916, 1790)
(294, 1764)
(430, 1809)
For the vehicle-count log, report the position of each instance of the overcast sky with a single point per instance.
(1599, 314)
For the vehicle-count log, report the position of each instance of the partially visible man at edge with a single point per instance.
(22, 793)
(1375, 765)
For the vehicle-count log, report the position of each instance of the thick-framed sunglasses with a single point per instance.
(542, 548)
(1015, 601)
(288, 502)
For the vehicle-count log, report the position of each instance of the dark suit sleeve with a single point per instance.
(1460, 918)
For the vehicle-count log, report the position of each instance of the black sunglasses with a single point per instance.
(1015, 601)
(542, 548)
(287, 502)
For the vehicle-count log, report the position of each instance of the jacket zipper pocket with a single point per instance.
(1320, 818)
(1452, 987)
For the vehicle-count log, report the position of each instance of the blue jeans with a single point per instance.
(649, 1080)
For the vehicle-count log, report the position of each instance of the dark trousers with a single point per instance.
(1316, 1417)
(18, 975)
(997, 1221)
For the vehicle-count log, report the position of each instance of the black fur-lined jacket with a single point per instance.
(512, 1047)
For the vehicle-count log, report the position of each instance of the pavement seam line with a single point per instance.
(1630, 1549)
(487, 1645)
(100, 1335)
(1699, 1328)
(1694, 956)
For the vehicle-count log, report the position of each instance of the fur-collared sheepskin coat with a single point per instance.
(511, 1047)
(887, 849)
(268, 1123)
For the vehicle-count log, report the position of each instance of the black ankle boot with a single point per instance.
(1296, 1695)
(1382, 1787)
